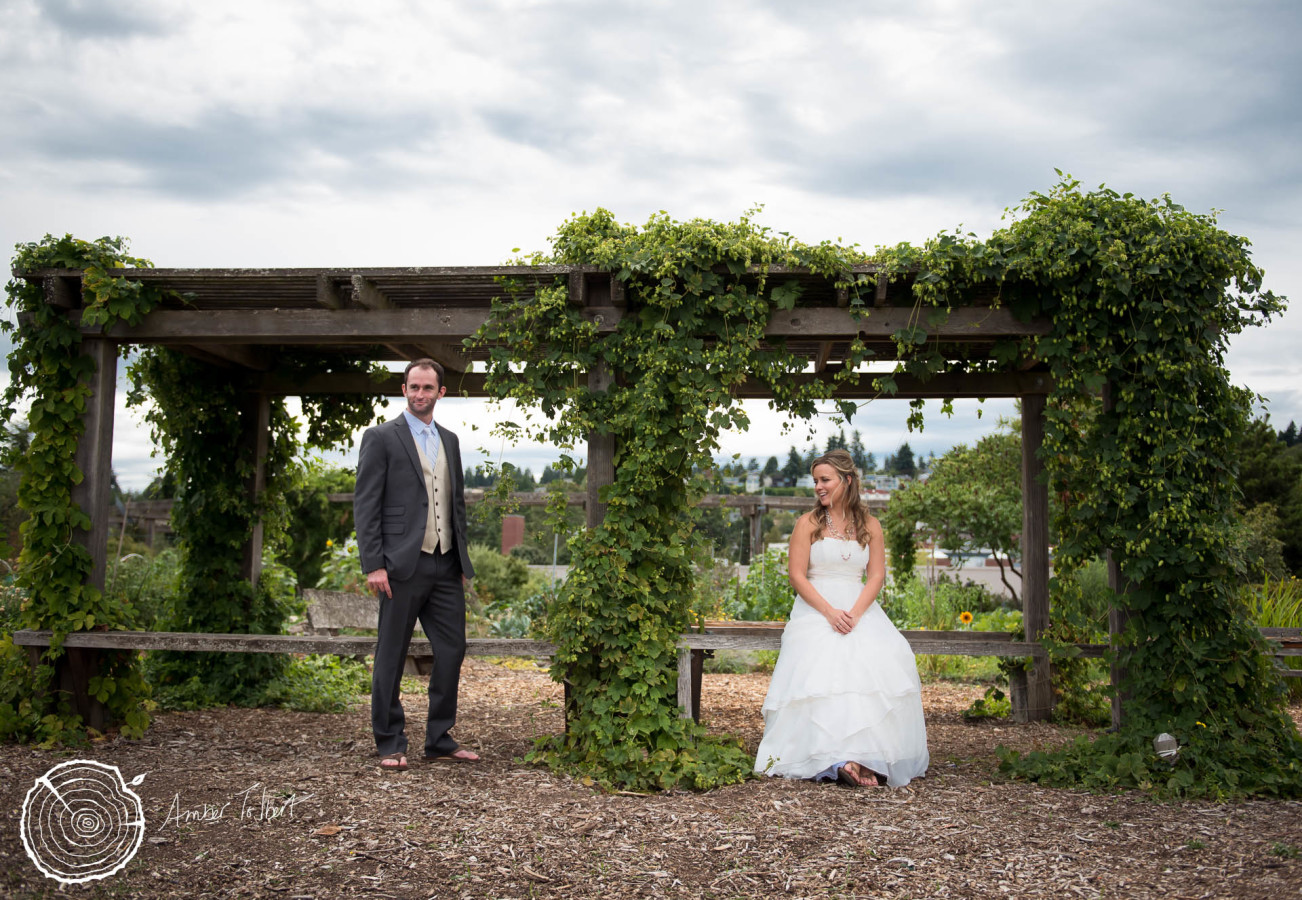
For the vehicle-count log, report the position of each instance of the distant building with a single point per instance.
(752, 482)
(885, 483)
(805, 481)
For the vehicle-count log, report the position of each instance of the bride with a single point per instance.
(845, 701)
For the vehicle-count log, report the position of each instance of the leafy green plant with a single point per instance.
(501, 579)
(325, 684)
(1277, 603)
(994, 704)
(765, 595)
(148, 584)
(48, 369)
(341, 566)
(12, 598)
(670, 394)
(1141, 297)
(202, 418)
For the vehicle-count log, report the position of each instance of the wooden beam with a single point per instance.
(962, 324)
(328, 293)
(578, 289)
(366, 294)
(406, 352)
(228, 356)
(471, 384)
(824, 353)
(451, 356)
(322, 327)
(380, 326)
(62, 291)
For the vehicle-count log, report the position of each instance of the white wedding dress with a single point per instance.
(836, 697)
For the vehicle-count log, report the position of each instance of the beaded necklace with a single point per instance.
(833, 532)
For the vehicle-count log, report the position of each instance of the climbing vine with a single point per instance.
(1140, 445)
(1142, 297)
(691, 334)
(47, 369)
(202, 416)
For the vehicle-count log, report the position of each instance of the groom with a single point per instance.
(409, 509)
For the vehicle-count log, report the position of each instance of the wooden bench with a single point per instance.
(1289, 643)
(691, 646)
(328, 612)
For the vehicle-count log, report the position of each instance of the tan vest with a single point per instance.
(438, 487)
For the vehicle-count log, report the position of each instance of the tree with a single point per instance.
(837, 441)
(794, 466)
(973, 499)
(857, 452)
(1269, 473)
(1289, 435)
(902, 462)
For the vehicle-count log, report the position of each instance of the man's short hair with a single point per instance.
(425, 364)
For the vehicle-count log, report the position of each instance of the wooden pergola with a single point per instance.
(243, 319)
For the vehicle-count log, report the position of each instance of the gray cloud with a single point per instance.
(225, 153)
(94, 20)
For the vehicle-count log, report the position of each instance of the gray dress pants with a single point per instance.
(435, 596)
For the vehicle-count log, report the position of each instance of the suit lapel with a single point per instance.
(408, 442)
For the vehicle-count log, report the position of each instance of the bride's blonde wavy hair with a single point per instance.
(843, 463)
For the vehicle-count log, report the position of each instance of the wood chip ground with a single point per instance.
(267, 803)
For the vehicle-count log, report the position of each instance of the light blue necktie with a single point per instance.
(431, 445)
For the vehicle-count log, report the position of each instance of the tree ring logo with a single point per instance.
(81, 821)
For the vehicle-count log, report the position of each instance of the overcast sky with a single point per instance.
(387, 133)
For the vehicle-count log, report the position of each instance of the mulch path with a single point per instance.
(268, 803)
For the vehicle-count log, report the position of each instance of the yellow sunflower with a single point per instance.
(965, 617)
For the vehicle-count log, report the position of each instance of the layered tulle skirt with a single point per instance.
(835, 698)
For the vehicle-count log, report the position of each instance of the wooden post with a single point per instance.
(94, 495)
(256, 419)
(1038, 697)
(601, 472)
(601, 453)
(685, 683)
(95, 455)
(1117, 618)
(757, 532)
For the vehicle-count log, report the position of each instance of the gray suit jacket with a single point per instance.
(391, 505)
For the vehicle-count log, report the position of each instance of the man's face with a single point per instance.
(422, 390)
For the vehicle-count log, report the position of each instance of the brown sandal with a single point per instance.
(856, 777)
(400, 762)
